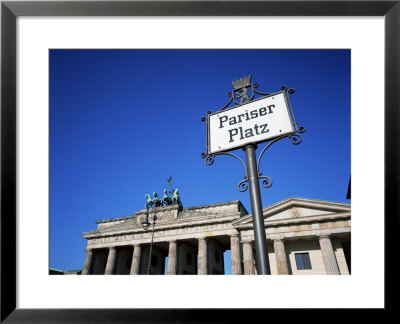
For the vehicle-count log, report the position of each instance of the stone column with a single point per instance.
(88, 262)
(248, 260)
(202, 266)
(111, 261)
(328, 254)
(235, 255)
(280, 255)
(135, 259)
(172, 259)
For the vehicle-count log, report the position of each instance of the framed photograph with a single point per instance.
(44, 40)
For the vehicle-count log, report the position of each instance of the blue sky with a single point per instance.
(122, 121)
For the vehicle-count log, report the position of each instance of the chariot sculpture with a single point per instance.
(168, 200)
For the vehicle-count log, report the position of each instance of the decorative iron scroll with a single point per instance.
(244, 92)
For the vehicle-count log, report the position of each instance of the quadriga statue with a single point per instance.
(176, 199)
(156, 202)
(167, 199)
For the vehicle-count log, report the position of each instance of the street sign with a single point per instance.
(253, 122)
(250, 122)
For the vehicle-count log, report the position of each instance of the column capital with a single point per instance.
(234, 234)
(324, 236)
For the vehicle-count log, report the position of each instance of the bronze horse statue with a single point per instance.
(167, 199)
(156, 202)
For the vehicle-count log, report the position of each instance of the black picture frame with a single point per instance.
(10, 10)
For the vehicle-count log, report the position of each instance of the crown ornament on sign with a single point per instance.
(242, 82)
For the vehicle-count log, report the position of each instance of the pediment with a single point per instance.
(293, 207)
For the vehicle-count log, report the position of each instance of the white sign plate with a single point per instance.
(253, 122)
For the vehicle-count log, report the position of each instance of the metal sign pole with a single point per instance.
(151, 244)
(252, 121)
(260, 240)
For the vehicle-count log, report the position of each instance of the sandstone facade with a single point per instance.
(304, 236)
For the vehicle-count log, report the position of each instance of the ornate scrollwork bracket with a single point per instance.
(209, 159)
(244, 92)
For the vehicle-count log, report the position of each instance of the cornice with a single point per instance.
(224, 203)
(173, 207)
(297, 220)
(116, 219)
(299, 202)
(169, 225)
